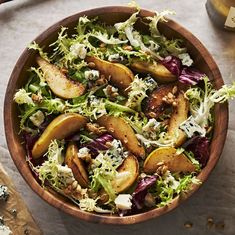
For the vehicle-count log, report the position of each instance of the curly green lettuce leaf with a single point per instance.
(169, 186)
(127, 28)
(117, 109)
(105, 38)
(159, 16)
(36, 47)
(201, 103)
(138, 91)
(23, 97)
(103, 174)
(225, 93)
(90, 204)
(52, 171)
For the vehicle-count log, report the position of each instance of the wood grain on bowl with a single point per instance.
(171, 29)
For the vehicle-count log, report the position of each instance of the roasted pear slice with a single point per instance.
(76, 165)
(119, 75)
(179, 115)
(158, 71)
(121, 130)
(167, 156)
(127, 174)
(62, 126)
(58, 82)
(155, 106)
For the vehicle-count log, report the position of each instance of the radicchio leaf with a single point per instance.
(173, 64)
(199, 146)
(99, 144)
(29, 143)
(141, 191)
(191, 76)
(186, 75)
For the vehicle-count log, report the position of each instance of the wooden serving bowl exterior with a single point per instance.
(110, 15)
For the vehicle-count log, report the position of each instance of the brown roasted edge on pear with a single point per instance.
(76, 165)
(121, 130)
(110, 15)
(58, 82)
(167, 156)
(179, 115)
(118, 74)
(155, 106)
(62, 126)
(127, 174)
(158, 71)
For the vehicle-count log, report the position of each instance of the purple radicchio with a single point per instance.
(99, 144)
(199, 146)
(186, 75)
(191, 76)
(141, 191)
(173, 64)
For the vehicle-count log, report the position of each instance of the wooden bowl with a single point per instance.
(110, 15)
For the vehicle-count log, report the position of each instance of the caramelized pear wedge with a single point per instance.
(155, 106)
(62, 126)
(127, 174)
(76, 165)
(121, 130)
(179, 115)
(58, 82)
(119, 75)
(167, 156)
(158, 71)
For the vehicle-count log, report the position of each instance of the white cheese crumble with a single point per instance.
(190, 126)
(170, 180)
(3, 192)
(115, 57)
(123, 201)
(37, 118)
(78, 50)
(83, 152)
(23, 97)
(92, 74)
(185, 59)
(4, 230)
(151, 128)
(65, 174)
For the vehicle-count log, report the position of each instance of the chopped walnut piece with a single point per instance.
(127, 47)
(111, 92)
(95, 128)
(74, 190)
(171, 98)
(37, 98)
(162, 168)
(101, 81)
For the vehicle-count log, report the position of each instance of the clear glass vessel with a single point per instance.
(222, 13)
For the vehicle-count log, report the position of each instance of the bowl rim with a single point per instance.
(67, 206)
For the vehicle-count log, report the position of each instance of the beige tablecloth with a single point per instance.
(22, 20)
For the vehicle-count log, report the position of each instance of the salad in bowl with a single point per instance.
(115, 119)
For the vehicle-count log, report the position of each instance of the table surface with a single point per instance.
(22, 20)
